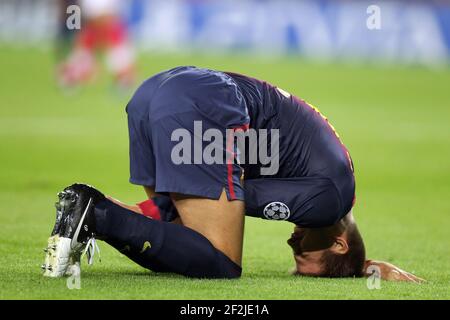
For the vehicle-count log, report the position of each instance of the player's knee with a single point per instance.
(213, 264)
(234, 274)
(228, 269)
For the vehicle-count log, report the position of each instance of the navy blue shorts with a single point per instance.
(166, 145)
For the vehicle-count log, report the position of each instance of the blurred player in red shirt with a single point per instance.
(104, 30)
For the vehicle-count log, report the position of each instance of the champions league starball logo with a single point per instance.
(276, 211)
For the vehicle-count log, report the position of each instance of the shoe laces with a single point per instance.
(90, 249)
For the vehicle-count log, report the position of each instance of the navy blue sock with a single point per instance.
(161, 246)
(167, 209)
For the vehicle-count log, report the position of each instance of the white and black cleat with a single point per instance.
(57, 256)
(73, 234)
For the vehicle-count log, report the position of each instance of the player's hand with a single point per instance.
(389, 272)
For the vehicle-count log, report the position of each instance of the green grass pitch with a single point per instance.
(394, 120)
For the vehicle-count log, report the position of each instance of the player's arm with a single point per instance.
(388, 271)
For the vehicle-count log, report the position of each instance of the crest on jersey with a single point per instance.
(277, 211)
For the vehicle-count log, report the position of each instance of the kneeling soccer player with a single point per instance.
(200, 182)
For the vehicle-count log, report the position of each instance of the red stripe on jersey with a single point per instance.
(230, 160)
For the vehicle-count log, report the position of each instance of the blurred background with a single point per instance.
(409, 31)
(379, 70)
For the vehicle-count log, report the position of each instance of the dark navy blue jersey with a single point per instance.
(301, 125)
(314, 183)
(310, 151)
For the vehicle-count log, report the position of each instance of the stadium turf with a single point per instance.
(394, 120)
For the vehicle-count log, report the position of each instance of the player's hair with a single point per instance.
(350, 264)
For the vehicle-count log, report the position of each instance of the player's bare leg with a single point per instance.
(220, 221)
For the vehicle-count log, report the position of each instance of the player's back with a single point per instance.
(308, 143)
(308, 147)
